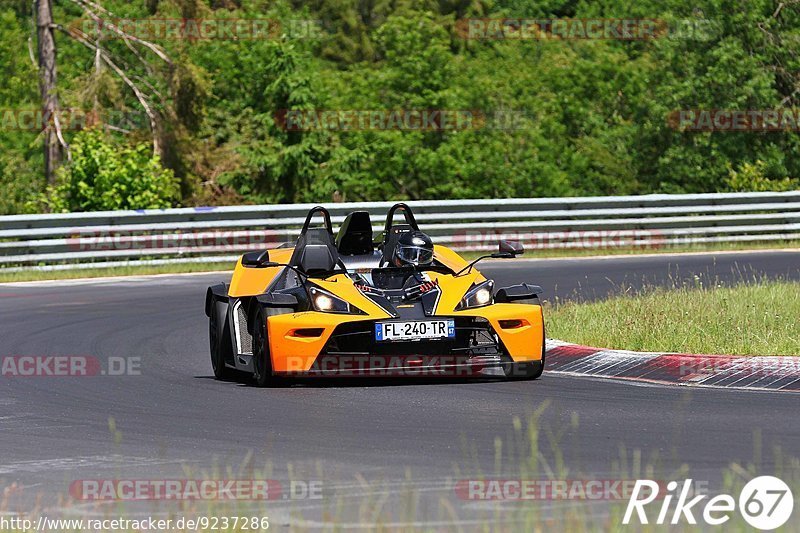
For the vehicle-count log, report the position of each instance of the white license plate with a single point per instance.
(415, 330)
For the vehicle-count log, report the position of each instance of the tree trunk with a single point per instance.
(47, 86)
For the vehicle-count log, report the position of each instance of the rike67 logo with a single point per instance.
(766, 503)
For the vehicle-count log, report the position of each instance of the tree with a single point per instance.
(53, 138)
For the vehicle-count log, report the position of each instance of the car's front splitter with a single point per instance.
(416, 366)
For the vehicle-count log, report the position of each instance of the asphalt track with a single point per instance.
(396, 441)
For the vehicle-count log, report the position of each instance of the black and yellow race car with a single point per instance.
(348, 304)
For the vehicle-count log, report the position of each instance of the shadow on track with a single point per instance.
(360, 381)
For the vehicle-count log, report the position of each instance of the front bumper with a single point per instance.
(316, 343)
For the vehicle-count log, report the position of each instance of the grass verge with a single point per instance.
(531, 451)
(760, 318)
(128, 270)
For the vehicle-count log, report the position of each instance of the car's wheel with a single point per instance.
(530, 369)
(218, 344)
(262, 361)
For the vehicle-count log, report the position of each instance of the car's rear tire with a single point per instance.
(262, 360)
(530, 369)
(220, 344)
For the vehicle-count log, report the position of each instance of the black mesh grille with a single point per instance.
(474, 336)
(245, 340)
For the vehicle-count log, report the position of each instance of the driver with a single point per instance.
(414, 248)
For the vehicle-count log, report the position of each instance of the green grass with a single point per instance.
(758, 318)
(130, 270)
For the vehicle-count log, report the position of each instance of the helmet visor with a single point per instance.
(415, 255)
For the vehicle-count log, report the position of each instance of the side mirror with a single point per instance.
(509, 249)
(256, 259)
(277, 299)
(515, 293)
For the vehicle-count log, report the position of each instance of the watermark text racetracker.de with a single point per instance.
(212, 240)
(199, 29)
(196, 523)
(764, 366)
(44, 366)
(194, 489)
(563, 29)
(71, 119)
(447, 120)
(493, 489)
(477, 240)
(735, 120)
(395, 366)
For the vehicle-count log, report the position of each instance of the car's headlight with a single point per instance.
(328, 303)
(478, 296)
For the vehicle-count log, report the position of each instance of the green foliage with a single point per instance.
(105, 176)
(19, 182)
(21, 159)
(587, 117)
(752, 177)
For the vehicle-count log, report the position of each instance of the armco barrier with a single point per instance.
(207, 234)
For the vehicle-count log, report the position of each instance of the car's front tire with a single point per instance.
(262, 360)
(218, 344)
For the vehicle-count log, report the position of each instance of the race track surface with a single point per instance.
(362, 440)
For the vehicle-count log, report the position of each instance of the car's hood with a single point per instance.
(438, 295)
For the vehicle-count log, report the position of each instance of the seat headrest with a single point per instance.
(355, 235)
(317, 258)
(315, 252)
(390, 240)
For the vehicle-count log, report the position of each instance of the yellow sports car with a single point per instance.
(351, 305)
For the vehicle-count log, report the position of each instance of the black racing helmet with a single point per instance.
(413, 248)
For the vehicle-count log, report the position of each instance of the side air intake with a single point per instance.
(244, 341)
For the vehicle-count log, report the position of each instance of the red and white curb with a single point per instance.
(773, 373)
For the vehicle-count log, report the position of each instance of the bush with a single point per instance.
(752, 178)
(105, 176)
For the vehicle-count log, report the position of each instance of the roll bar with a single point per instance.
(325, 215)
(407, 214)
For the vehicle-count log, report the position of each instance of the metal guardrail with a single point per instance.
(210, 234)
